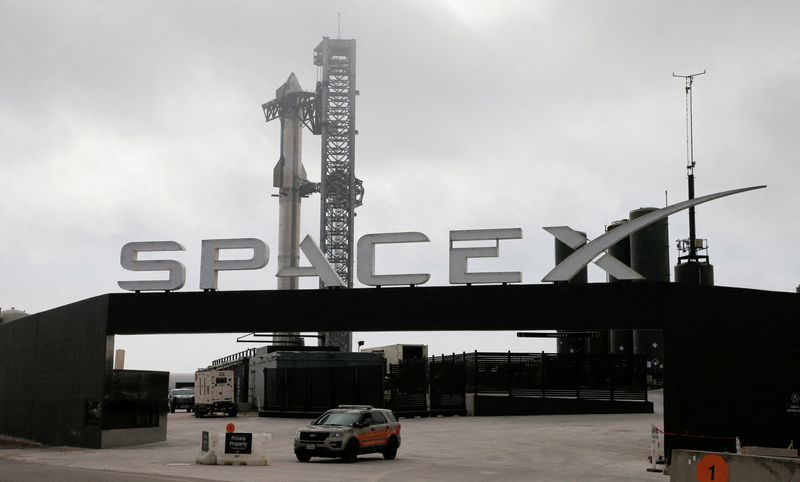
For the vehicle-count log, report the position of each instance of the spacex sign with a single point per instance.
(211, 264)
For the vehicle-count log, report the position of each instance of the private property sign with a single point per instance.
(238, 443)
(585, 252)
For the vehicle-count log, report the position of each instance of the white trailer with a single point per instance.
(395, 354)
(214, 393)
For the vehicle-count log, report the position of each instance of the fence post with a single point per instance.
(266, 389)
(611, 376)
(579, 367)
(333, 403)
(426, 384)
(308, 389)
(509, 375)
(544, 375)
(391, 388)
(285, 389)
(430, 406)
(475, 388)
(355, 376)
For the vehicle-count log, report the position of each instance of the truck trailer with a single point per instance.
(214, 393)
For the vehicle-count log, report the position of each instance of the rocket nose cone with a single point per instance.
(292, 80)
(291, 85)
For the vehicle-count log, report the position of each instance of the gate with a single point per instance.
(408, 388)
(312, 390)
(448, 384)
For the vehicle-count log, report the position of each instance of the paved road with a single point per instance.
(30, 472)
(546, 448)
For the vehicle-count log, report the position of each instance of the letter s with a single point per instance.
(128, 258)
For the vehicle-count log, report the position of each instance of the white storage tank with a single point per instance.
(11, 315)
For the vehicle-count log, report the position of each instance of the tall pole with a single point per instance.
(689, 79)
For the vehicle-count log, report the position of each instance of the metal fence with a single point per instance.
(316, 389)
(549, 375)
(408, 388)
(439, 385)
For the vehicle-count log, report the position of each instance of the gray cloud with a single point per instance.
(141, 120)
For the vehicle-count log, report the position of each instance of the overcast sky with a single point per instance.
(140, 120)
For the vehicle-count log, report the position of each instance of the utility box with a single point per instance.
(214, 392)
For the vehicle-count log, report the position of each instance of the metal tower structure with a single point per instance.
(341, 192)
(331, 113)
(693, 265)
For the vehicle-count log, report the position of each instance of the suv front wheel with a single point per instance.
(350, 452)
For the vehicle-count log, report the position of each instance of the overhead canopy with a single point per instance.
(511, 307)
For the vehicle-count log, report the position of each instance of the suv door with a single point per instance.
(374, 432)
(381, 427)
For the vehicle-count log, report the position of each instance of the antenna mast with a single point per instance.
(691, 246)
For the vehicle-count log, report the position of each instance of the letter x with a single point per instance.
(586, 252)
(608, 263)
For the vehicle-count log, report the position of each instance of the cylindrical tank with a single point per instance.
(562, 252)
(619, 341)
(570, 344)
(650, 258)
(695, 273)
(11, 315)
(650, 248)
(621, 250)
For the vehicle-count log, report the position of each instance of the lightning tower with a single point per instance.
(693, 266)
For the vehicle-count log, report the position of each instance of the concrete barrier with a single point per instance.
(235, 448)
(696, 466)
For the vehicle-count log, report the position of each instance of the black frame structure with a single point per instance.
(730, 353)
(340, 191)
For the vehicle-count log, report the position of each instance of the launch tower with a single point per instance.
(340, 191)
(331, 113)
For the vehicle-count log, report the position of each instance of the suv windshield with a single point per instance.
(182, 391)
(346, 419)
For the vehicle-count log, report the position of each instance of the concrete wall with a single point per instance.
(733, 381)
(690, 466)
(51, 364)
(132, 436)
(59, 386)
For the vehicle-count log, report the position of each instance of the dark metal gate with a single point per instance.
(312, 390)
(448, 385)
(408, 388)
(439, 385)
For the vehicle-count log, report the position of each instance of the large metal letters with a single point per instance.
(211, 264)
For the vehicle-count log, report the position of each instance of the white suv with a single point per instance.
(348, 431)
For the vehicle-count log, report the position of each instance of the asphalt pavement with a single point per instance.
(547, 448)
